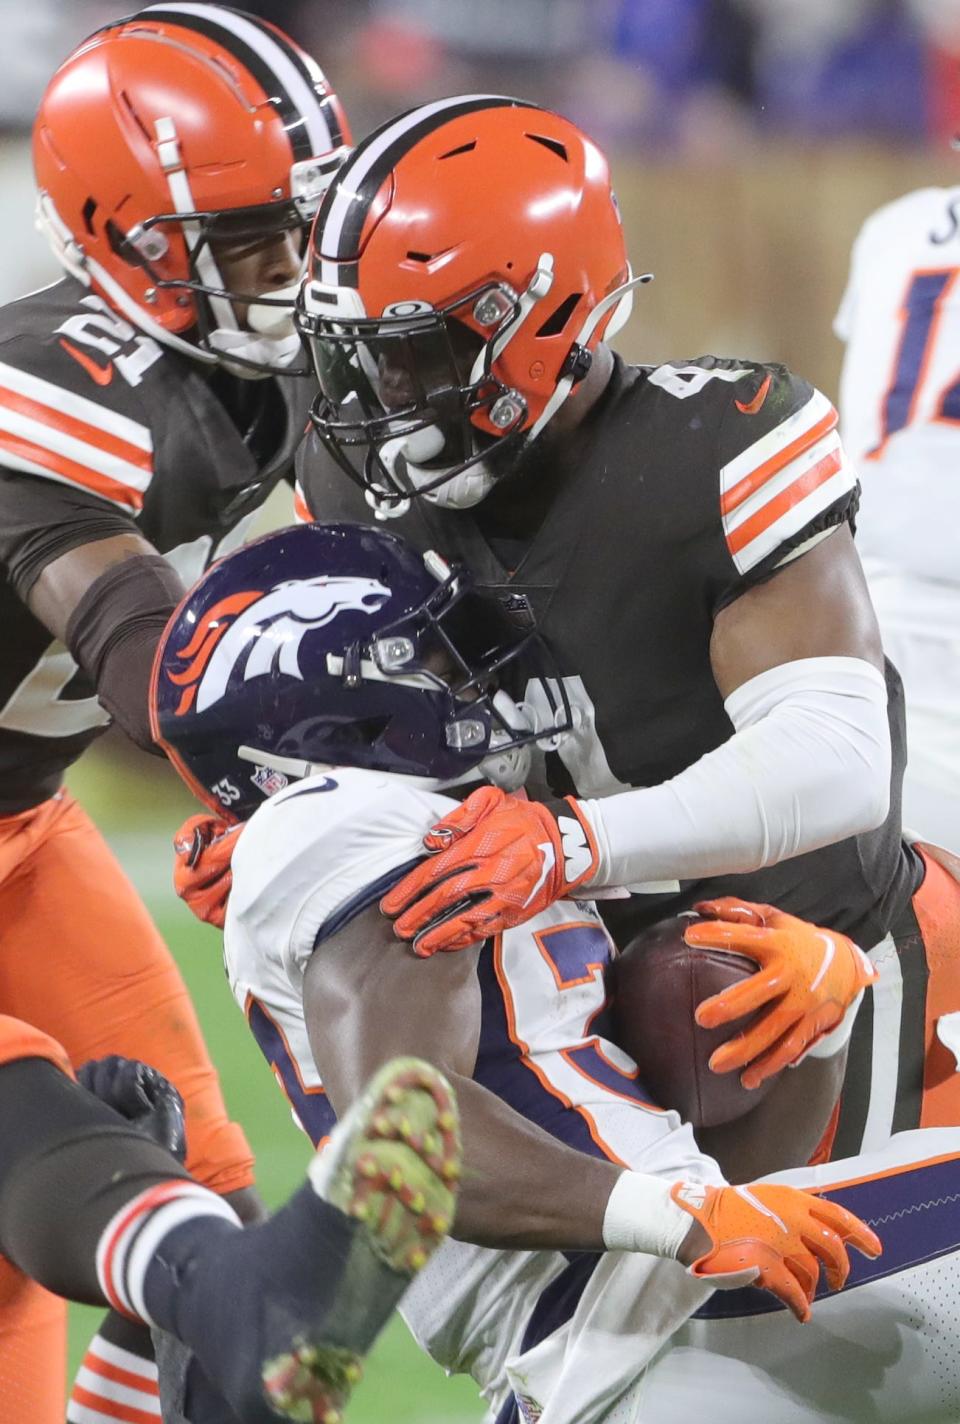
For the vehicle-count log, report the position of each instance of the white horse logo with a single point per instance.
(272, 628)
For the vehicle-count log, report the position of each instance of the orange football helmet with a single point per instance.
(465, 263)
(162, 135)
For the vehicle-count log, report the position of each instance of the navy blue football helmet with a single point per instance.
(338, 645)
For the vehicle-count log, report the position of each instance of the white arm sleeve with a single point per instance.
(808, 764)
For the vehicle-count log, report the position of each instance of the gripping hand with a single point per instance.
(775, 1237)
(202, 876)
(808, 985)
(140, 1094)
(496, 861)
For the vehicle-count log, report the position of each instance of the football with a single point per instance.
(655, 986)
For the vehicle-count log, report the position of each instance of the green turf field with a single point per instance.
(401, 1385)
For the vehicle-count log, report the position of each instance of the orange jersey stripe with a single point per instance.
(79, 429)
(71, 471)
(817, 475)
(745, 487)
(535, 1068)
(300, 507)
(97, 1366)
(125, 1413)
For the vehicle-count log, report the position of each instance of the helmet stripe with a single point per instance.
(305, 115)
(344, 209)
(314, 78)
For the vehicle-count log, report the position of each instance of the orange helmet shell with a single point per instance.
(470, 193)
(101, 161)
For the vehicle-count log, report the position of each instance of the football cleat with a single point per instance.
(280, 1315)
(392, 1166)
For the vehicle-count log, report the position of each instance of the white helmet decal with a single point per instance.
(270, 630)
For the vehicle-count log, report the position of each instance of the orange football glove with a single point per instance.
(775, 1237)
(202, 876)
(497, 860)
(809, 978)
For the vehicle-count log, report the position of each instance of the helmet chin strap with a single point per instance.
(463, 491)
(469, 486)
(272, 339)
(621, 300)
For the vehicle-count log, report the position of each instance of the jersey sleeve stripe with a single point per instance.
(775, 486)
(301, 510)
(809, 495)
(798, 488)
(19, 454)
(67, 403)
(63, 450)
(29, 417)
(733, 495)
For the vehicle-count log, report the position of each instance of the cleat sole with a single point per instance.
(395, 1173)
(398, 1174)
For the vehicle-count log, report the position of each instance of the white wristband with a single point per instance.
(837, 1038)
(640, 1216)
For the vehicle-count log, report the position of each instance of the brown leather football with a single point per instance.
(655, 985)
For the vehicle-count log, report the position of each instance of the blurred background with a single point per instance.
(749, 139)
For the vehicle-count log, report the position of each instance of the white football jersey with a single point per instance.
(311, 858)
(900, 386)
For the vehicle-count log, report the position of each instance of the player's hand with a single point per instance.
(496, 861)
(202, 876)
(775, 1237)
(141, 1095)
(808, 981)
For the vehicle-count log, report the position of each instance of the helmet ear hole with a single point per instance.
(559, 317)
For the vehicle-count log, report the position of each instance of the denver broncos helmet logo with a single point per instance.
(268, 635)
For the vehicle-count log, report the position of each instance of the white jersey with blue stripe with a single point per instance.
(311, 858)
(900, 386)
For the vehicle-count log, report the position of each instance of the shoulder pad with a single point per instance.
(321, 851)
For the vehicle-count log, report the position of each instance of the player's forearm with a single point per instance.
(109, 601)
(809, 764)
(523, 1189)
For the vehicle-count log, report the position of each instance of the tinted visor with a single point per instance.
(408, 374)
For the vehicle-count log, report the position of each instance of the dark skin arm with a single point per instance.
(761, 629)
(62, 584)
(815, 607)
(366, 1000)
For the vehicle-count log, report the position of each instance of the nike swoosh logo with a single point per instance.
(751, 407)
(829, 951)
(549, 860)
(103, 375)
